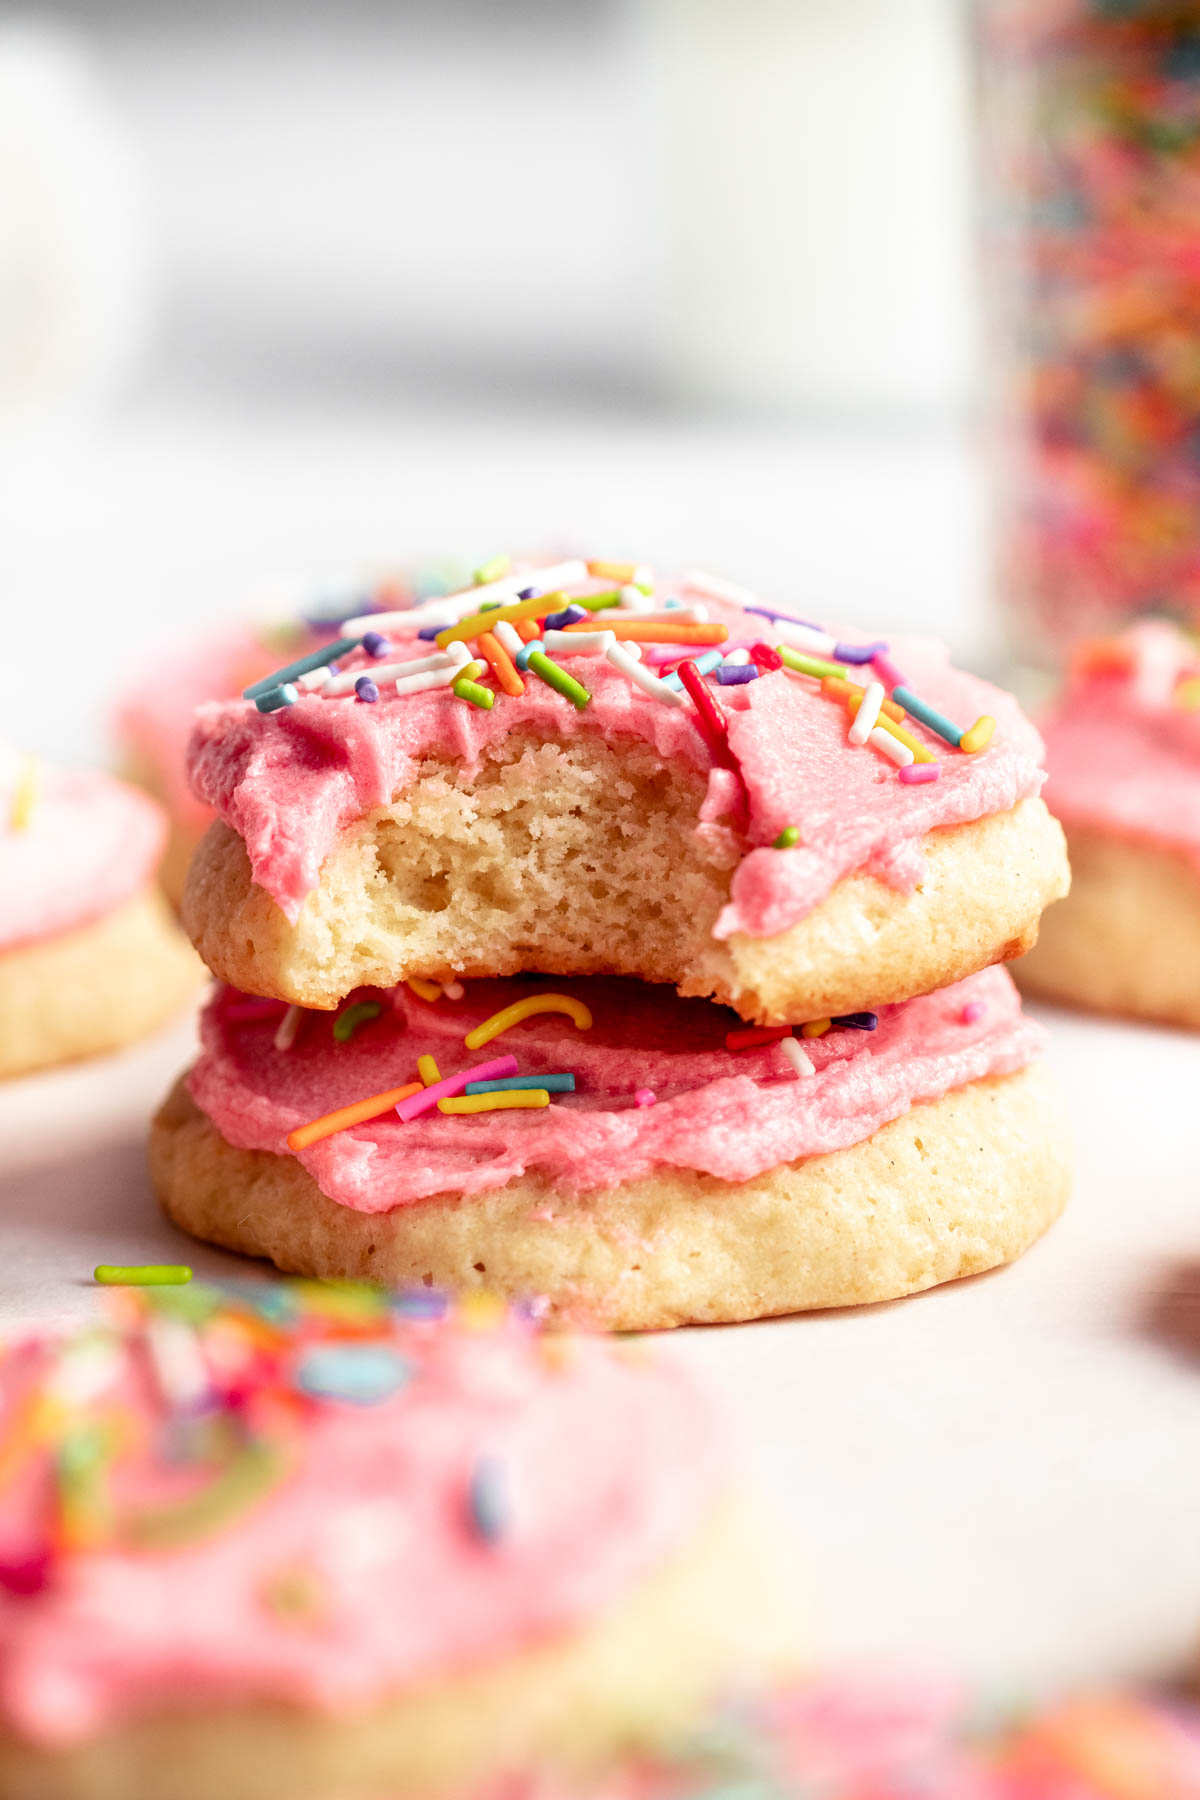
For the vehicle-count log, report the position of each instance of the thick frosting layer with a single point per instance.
(731, 1114)
(90, 844)
(1123, 742)
(308, 1495)
(288, 782)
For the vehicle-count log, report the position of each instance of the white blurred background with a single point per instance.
(296, 288)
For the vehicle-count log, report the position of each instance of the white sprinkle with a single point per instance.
(454, 990)
(863, 722)
(179, 1362)
(803, 637)
(796, 1056)
(737, 659)
(316, 678)
(899, 753)
(506, 636)
(289, 1025)
(717, 588)
(641, 677)
(633, 600)
(567, 641)
(448, 609)
(436, 678)
(383, 674)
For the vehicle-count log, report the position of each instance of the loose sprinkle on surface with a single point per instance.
(142, 1274)
(508, 1016)
(349, 1021)
(788, 838)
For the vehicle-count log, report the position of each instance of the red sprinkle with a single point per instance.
(756, 1034)
(714, 729)
(764, 657)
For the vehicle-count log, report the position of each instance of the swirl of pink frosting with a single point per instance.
(288, 782)
(732, 1114)
(362, 1563)
(90, 845)
(1123, 741)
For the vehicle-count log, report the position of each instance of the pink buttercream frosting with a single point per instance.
(90, 844)
(1123, 742)
(732, 1114)
(290, 781)
(354, 1557)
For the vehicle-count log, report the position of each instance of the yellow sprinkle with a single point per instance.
(466, 629)
(1187, 694)
(428, 1070)
(920, 753)
(25, 795)
(503, 1100)
(479, 1309)
(624, 572)
(979, 736)
(424, 990)
(816, 1028)
(525, 1009)
(471, 671)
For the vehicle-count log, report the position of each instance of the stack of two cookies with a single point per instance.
(647, 966)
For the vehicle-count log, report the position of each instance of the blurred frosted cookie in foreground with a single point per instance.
(328, 1544)
(586, 769)
(1123, 754)
(634, 1159)
(153, 721)
(90, 956)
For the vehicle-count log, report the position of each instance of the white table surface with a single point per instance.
(1001, 1476)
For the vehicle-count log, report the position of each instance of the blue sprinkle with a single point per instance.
(859, 653)
(366, 690)
(487, 1497)
(864, 1021)
(711, 660)
(672, 681)
(928, 715)
(420, 1303)
(362, 1374)
(303, 665)
(734, 674)
(429, 632)
(554, 1084)
(272, 698)
(526, 593)
(375, 644)
(568, 616)
(672, 604)
(525, 652)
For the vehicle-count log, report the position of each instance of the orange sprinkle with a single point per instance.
(345, 1116)
(503, 667)
(614, 571)
(646, 631)
(1102, 656)
(526, 630)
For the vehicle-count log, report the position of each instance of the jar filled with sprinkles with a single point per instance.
(1091, 233)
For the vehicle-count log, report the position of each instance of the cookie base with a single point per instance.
(584, 859)
(82, 992)
(717, 1615)
(953, 1187)
(1127, 940)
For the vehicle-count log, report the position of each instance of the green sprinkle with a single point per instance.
(348, 1022)
(597, 602)
(252, 1471)
(141, 1274)
(788, 837)
(558, 678)
(491, 606)
(477, 695)
(808, 665)
(491, 570)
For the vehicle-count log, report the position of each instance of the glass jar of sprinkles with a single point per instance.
(1091, 233)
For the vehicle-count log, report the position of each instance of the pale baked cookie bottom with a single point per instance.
(1127, 940)
(955, 1186)
(582, 859)
(82, 992)
(721, 1612)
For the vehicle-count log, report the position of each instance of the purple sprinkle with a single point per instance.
(790, 617)
(973, 1011)
(526, 593)
(429, 632)
(568, 616)
(734, 675)
(859, 653)
(334, 668)
(374, 643)
(863, 1021)
(366, 690)
(420, 1303)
